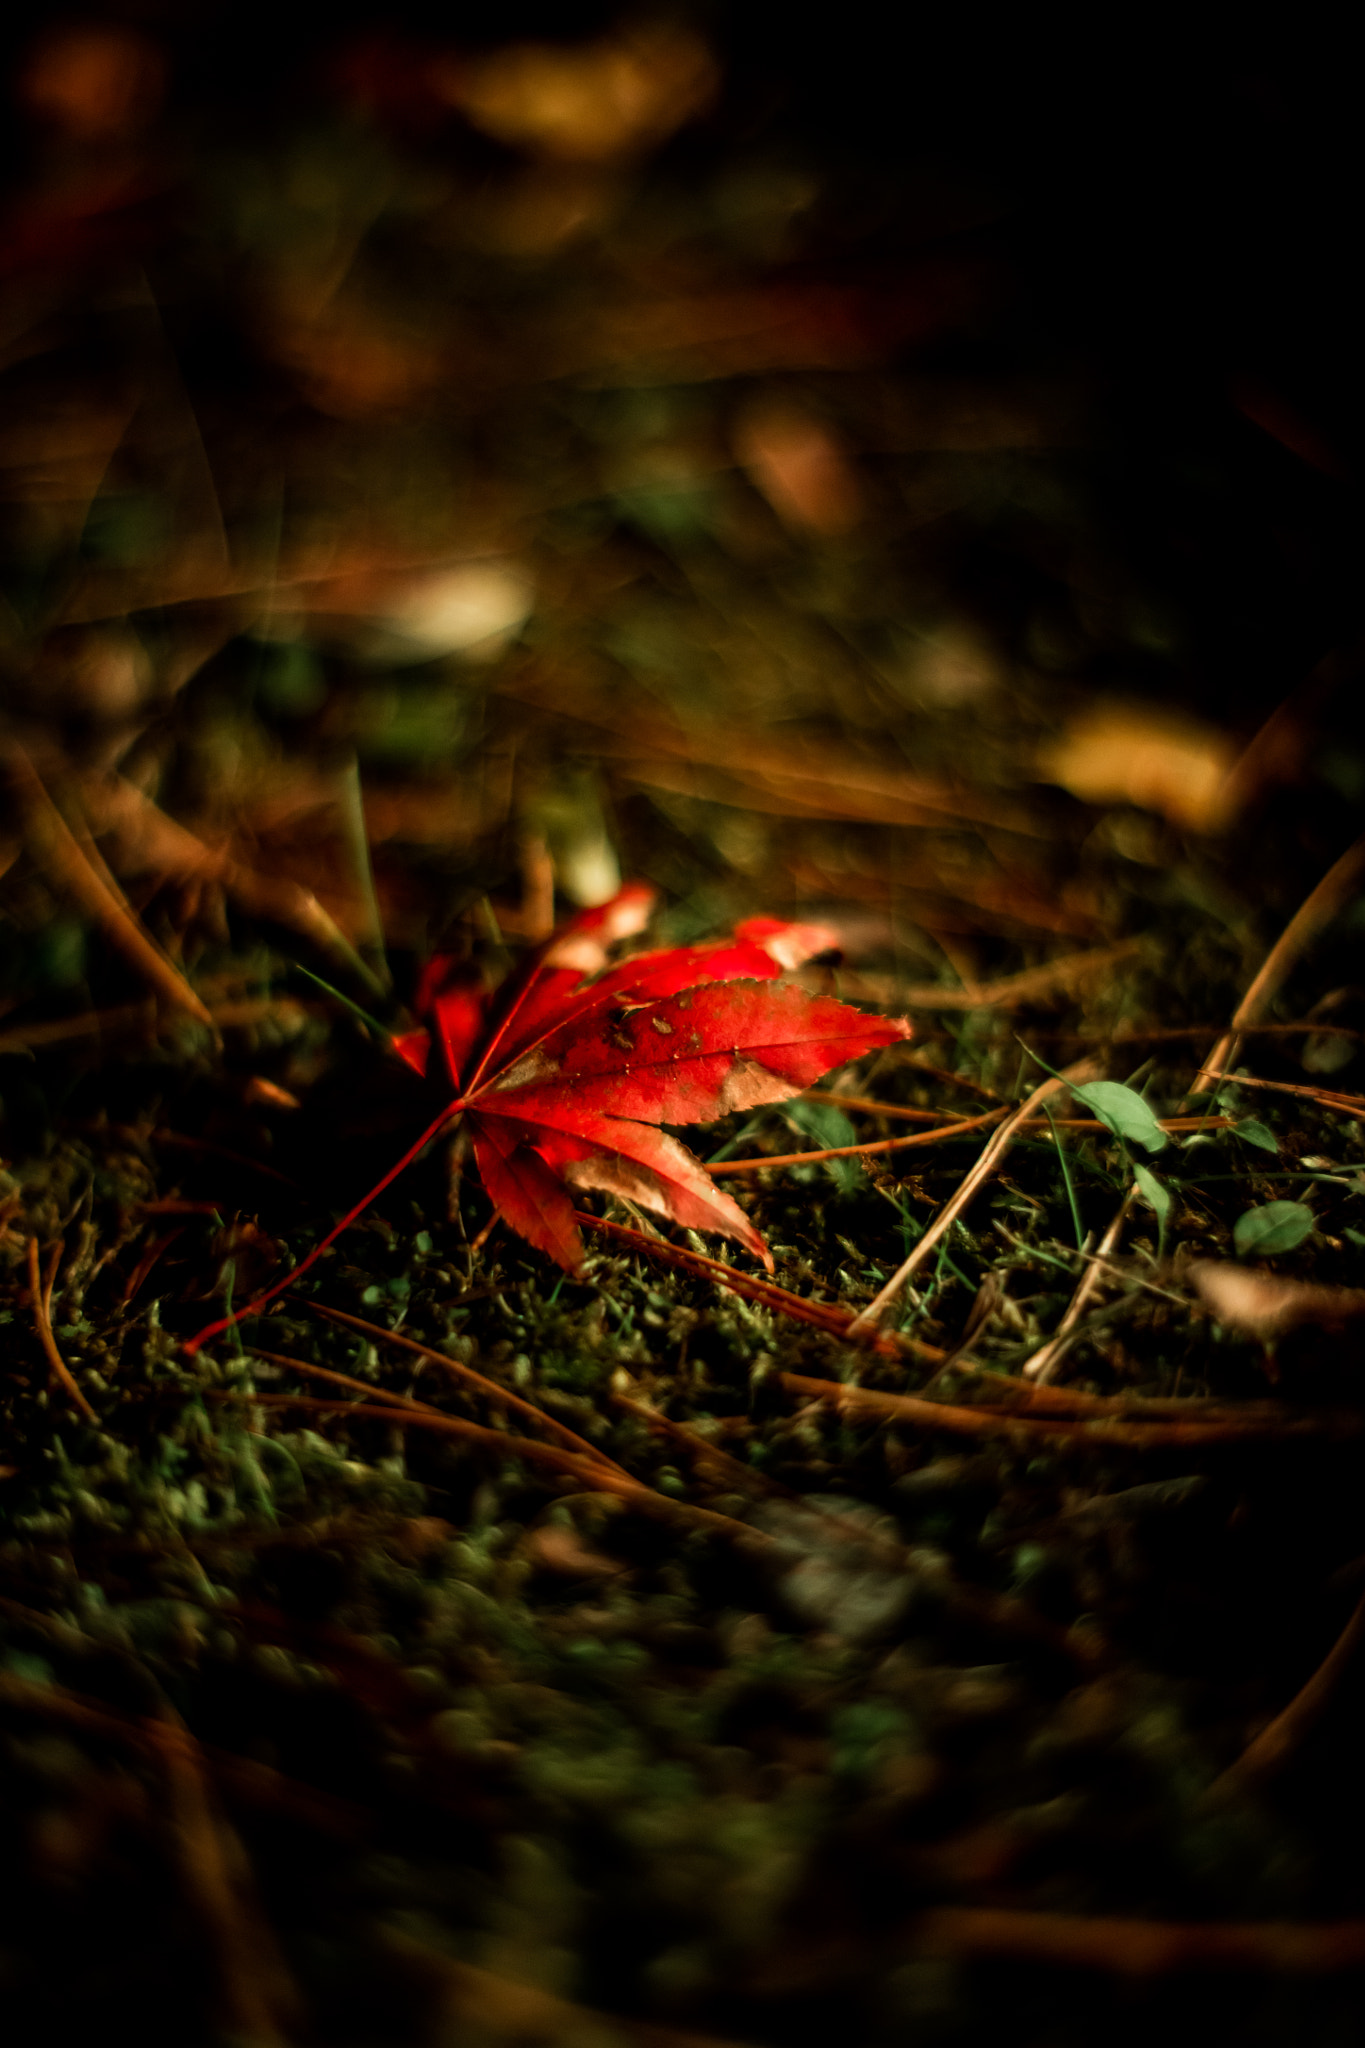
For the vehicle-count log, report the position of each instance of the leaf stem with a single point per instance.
(258, 1302)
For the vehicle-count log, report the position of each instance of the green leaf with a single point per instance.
(1253, 1132)
(1158, 1195)
(830, 1128)
(822, 1121)
(1124, 1112)
(1154, 1192)
(1277, 1227)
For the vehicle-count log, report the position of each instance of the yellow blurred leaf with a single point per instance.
(591, 103)
(1158, 760)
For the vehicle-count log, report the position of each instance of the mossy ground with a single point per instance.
(660, 1772)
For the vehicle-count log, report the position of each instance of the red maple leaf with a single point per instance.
(563, 1076)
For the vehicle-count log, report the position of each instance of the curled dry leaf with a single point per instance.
(1261, 1305)
(564, 1074)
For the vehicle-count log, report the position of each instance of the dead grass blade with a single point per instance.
(876, 1145)
(1224, 1426)
(1054, 977)
(42, 1323)
(239, 1778)
(1276, 1744)
(476, 2005)
(1138, 1948)
(56, 849)
(1326, 1098)
(1317, 911)
(946, 1131)
(465, 1376)
(591, 1474)
(1048, 1356)
(146, 841)
(260, 2003)
(868, 1320)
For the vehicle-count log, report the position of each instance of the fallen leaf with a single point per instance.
(1264, 1306)
(571, 1076)
(557, 1549)
(591, 103)
(562, 1076)
(1117, 753)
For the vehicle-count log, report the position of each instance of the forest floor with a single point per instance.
(413, 530)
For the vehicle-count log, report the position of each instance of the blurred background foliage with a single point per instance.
(890, 469)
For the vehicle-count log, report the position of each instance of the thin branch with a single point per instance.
(920, 1066)
(739, 1474)
(1318, 910)
(343, 1379)
(1137, 1034)
(1027, 1397)
(939, 1136)
(43, 1325)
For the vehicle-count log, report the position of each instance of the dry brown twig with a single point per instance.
(477, 2005)
(827, 1316)
(240, 1778)
(1277, 1742)
(1138, 1948)
(260, 2003)
(592, 1474)
(876, 1146)
(1114, 1425)
(947, 1131)
(1317, 911)
(1047, 1357)
(465, 1376)
(1026, 986)
(70, 868)
(40, 1294)
(1326, 1098)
